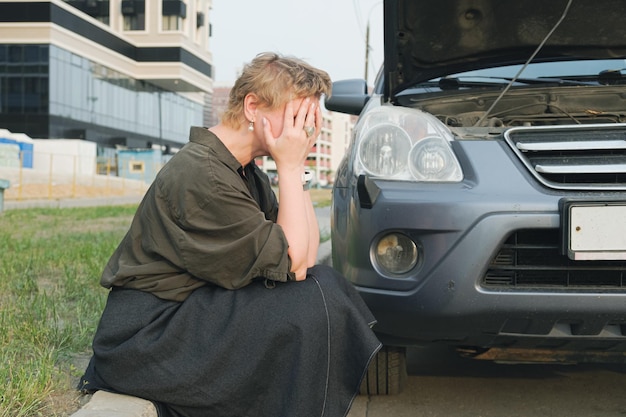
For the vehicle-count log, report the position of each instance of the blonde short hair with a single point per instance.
(275, 80)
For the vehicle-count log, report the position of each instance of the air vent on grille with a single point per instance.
(586, 157)
(531, 259)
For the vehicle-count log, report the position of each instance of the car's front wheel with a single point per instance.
(386, 374)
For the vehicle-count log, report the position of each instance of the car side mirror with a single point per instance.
(348, 96)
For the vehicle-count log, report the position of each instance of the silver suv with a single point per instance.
(482, 201)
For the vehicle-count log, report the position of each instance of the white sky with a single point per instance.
(329, 34)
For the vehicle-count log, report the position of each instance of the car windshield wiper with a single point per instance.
(611, 76)
(453, 83)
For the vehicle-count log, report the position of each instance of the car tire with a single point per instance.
(386, 374)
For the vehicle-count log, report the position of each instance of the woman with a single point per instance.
(216, 308)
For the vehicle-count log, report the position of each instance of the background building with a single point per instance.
(127, 73)
(130, 76)
(220, 102)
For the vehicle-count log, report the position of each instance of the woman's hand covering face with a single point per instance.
(292, 146)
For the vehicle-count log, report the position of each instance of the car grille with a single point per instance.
(532, 259)
(587, 157)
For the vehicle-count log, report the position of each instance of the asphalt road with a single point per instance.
(442, 384)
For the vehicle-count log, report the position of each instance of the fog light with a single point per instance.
(396, 253)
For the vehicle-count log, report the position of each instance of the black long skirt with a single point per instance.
(299, 349)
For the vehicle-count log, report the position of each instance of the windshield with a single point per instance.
(563, 72)
(551, 69)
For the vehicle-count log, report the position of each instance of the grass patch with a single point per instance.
(51, 300)
(321, 197)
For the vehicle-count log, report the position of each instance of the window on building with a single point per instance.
(98, 9)
(174, 14)
(136, 167)
(23, 79)
(172, 23)
(137, 22)
(201, 22)
(134, 12)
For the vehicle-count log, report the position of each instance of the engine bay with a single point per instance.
(526, 106)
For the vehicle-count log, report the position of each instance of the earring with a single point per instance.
(251, 127)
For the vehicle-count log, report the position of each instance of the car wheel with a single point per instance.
(386, 374)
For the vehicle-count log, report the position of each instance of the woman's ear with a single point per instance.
(250, 105)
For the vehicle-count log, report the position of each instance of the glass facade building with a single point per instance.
(91, 82)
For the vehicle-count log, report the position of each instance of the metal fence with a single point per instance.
(56, 176)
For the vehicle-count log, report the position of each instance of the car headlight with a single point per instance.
(383, 151)
(405, 144)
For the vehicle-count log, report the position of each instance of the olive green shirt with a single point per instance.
(204, 220)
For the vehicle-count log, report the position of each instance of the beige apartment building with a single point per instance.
(130, 73)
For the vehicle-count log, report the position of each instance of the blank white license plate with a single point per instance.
(597, 232)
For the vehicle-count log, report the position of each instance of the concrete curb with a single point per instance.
(108, 404)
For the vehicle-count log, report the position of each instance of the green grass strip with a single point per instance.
(50, 299)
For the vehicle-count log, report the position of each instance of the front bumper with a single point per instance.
(461, 230)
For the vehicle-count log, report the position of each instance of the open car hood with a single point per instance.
(426, 39)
